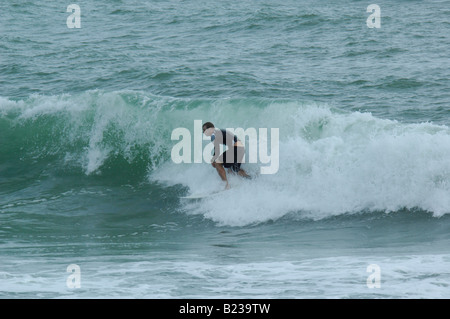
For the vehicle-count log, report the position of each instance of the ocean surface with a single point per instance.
(90, 201)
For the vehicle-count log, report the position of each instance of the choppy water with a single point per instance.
(86, 175)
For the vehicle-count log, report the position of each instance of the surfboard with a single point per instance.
(200, 195)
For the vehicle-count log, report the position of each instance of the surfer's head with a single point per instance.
(208, 128)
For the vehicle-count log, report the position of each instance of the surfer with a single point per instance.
(231, 158)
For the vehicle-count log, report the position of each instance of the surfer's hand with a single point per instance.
(213, 164)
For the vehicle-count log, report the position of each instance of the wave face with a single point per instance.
(331, 162)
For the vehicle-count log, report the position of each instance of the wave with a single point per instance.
(92, 131)
(331, 162)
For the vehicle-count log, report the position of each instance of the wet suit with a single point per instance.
(231, 158)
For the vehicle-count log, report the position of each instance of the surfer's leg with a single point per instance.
(239, 152)
(223, 175)
(243, 174)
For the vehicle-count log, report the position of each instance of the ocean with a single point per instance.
(90, 193)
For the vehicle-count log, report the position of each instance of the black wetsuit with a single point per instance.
(231, 158)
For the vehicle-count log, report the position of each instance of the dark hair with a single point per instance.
(207, 125)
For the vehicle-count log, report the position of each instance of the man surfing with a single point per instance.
(231, 158)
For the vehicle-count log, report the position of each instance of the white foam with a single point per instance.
(413, 276)
(331, 163)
